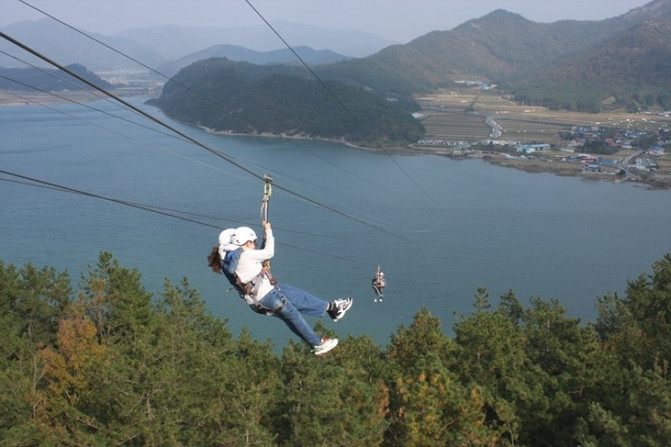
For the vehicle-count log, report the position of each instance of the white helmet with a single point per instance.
(225, 242)
(226, 236)
(243, 235)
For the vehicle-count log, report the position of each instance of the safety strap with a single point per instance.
(267, 192)
(251, 288)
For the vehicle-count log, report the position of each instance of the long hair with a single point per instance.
(214, 260)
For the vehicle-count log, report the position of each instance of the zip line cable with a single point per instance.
(159, 148)
(88, 106)
(206, 98)
(72, 83)
(360, 177)
(370, 218)
(279, 36)
(73, 101)
(127, 104)
(285, 176)
(323, 84)
(209, 99)
(133, 139)
(60, 188)
(37, 182)
(52, 74)
(153, 70)
(168, 212)
(193, 140)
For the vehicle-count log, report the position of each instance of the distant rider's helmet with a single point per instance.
(226, 236)
(243, 235)
(226, 243)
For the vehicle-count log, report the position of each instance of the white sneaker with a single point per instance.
(326, 346)
(341, 306)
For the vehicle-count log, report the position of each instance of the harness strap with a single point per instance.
(254, 285)
(259, 308)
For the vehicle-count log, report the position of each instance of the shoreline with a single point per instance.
(655, 182)
(530, 165)
(660, 180)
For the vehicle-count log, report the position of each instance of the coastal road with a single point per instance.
(626, 161)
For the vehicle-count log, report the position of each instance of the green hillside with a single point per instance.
(630, 70)
(499, 46)
(569, 64)
(247, 99)
(575, 65)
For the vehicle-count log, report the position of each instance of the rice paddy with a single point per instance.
(464, 114)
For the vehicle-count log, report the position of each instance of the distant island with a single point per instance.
(239, 98)
(47, 80)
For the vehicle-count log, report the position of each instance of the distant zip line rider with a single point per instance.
(379, 283)
(243, 264)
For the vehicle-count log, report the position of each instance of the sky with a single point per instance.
(395, 20)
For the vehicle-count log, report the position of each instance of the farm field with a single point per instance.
(469, 115)
(459, 115)
(456, 126)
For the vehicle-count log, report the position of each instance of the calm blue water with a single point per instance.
(439, 228)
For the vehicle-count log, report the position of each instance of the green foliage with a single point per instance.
(430, 405)
(32, 302)
(234, 97)
(116, 365)
(639, 325)
(575, 65)
(599, 147)
(630, 70)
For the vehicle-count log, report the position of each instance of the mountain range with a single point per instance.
(156, 46)
(622, 61)
(561, 64)
(237, 53)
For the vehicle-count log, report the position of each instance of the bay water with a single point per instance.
(439, 228)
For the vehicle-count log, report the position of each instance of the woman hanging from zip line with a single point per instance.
(243, 265)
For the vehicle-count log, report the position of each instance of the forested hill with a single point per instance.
(577, 65)
(499, 46)
(534, 61)
(48, 80)
(111, 364)
(247, 99)
(237, 53)
(632, 70)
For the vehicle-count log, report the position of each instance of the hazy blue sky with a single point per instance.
(397, 20)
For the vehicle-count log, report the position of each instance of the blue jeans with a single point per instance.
(288, 303)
